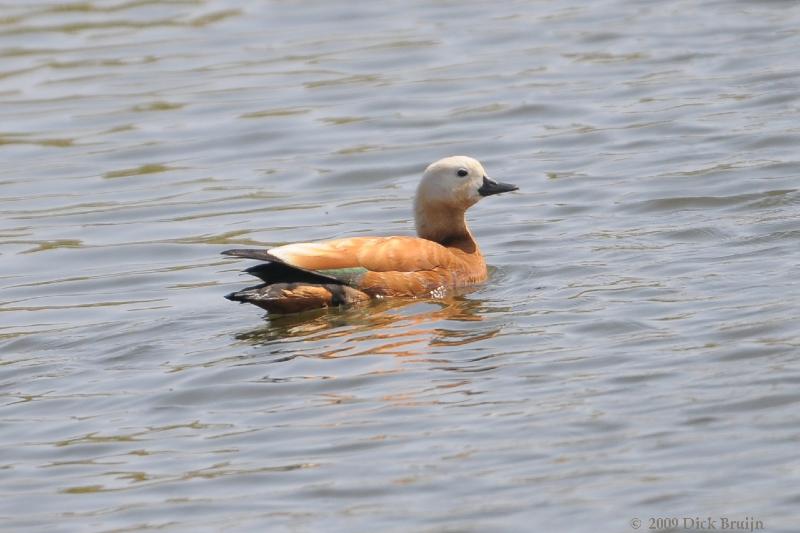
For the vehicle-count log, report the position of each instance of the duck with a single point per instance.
(444, 255)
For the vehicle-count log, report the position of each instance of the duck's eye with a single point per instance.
(462, 172)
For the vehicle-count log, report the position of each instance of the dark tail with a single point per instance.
(245, 295)
(252, 253)
(290, 289)
(276, 271)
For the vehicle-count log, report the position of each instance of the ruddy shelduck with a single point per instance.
(353, 270)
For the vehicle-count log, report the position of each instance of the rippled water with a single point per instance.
(634, 355)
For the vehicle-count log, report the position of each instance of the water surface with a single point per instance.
(634, 355)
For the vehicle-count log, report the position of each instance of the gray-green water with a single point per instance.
(634, 355)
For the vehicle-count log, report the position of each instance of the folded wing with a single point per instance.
(377, 254)
(379, 266)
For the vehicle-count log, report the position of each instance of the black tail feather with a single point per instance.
(252, 253)
(283, 273)
(246, 294)
(276, 271)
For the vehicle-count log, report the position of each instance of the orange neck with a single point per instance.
(445, 225)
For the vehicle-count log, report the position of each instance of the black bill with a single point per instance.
(491, 187)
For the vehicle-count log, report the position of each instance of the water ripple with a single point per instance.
(635, 343)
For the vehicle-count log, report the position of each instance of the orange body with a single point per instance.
(353, 270)
(395, 266)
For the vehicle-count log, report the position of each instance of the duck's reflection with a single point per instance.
(392, 327)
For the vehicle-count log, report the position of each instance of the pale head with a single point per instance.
(448, 188)
(453, 181)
